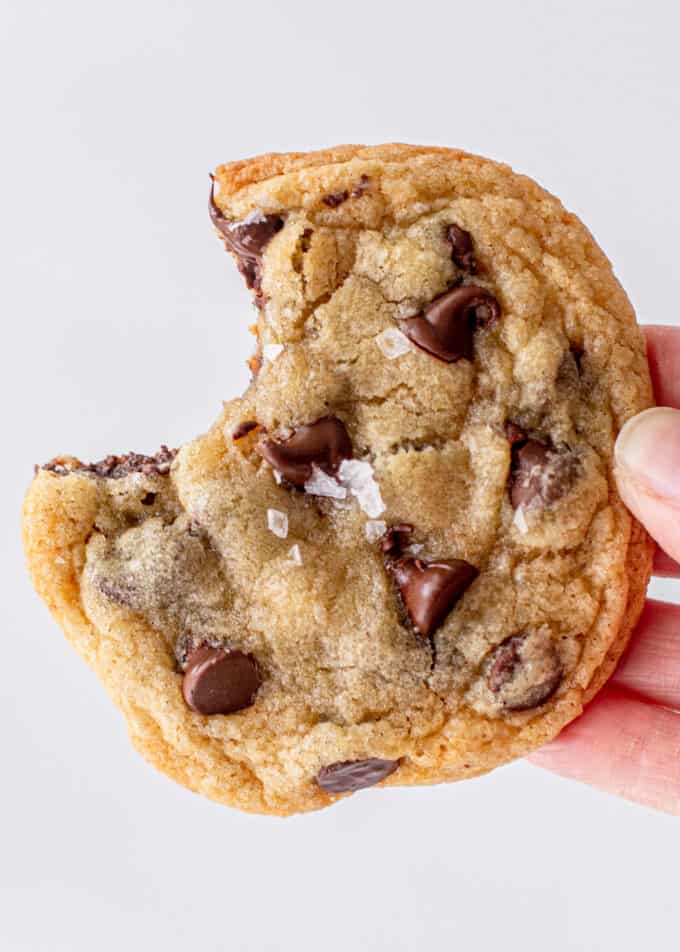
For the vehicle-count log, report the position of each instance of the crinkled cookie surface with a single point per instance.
(400, 557)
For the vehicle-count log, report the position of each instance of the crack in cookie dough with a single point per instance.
(464, 576)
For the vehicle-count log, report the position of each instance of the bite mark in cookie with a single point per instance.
(116, 467)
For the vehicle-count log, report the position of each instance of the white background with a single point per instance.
(124, 325)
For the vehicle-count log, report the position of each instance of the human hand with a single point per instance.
(628, 740)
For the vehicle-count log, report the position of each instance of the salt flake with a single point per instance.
(357, 476)
(375, 529)
(321, 484)
(519, 521)
(295, 555)
(277, 522)
(393, 343)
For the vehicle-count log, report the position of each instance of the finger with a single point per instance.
(647, 457)
(663, 353)
(651, 664)
(664, 565)
(624, 746)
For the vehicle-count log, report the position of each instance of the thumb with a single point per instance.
(647, 472)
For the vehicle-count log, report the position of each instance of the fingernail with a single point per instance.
(648, 451)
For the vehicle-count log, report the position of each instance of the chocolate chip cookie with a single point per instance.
(399, 557)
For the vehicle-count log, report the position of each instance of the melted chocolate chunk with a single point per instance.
(246, 239)
(524, 671)
(361, 187)
(116, 467)
(220, 682)
(396, 537)
(243, 429)
(346, 776)
(148, 499)
(540, 474)
(430, 590)
(446, 327)
(462, 252)
(335, 198)
(324, 443)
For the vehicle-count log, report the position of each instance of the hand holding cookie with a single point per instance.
(627, 740)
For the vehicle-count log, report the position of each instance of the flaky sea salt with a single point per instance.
(375, 529)
(257, 215)
(520, 521)
(321, 484)
(272, 351)
(414, 549)
(59, 560)
(277, 522)
(392, 343)
(357, 476)
(278, 478)
(295, 555)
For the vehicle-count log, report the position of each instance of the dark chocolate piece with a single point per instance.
(324, 443)
(220, 682)
(246, 239)
(446, 327)
(346, 776)
(462, 252)
(335, 198)
(524, 671)
(430, 590)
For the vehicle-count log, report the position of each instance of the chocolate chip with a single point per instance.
(430, 590)
(514, 433)
(246, 239)
(396, 537)
(324, 443)
(116, 467)
(243, 429)
(220, 682)
(524, 671)
(148, 499)
(462, 252)
(360, 187)
(335, 198)
(346, 776)
(446, 327)
(541, 475)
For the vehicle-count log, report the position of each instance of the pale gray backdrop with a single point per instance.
(124, 325)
